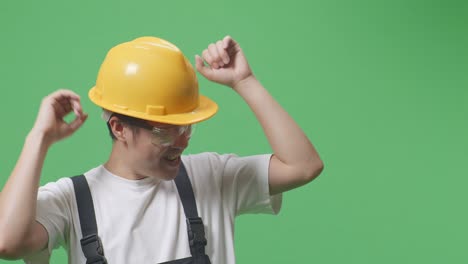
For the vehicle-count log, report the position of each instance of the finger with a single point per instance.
(72, 104)
(67, 108)
(222, 52)
(76, 106)
(207, 57)
(70, 101)
(231, 45)
(204, 70)
(66, 105)
(227, 40)
(75, 124)
(64, 94)
(214, 55)
(61, 98)
(59, 107)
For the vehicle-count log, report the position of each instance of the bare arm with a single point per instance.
(295, 161)
(20, 234)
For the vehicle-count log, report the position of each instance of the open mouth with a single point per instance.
(173, 157)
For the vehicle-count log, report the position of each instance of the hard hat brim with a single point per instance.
(205, 110)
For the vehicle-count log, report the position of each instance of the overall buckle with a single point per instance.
(196, 234)
(93, 249)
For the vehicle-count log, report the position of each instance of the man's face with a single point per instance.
(152, 155)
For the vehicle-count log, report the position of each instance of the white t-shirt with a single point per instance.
(143, 221)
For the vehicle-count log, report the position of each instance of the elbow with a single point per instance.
(9, 249)
(8, 252)
(313, 170)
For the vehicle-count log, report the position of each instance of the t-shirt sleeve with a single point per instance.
(245, 183)
(54, 214)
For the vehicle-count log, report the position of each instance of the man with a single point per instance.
(149, 94)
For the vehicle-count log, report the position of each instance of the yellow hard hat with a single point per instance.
(149, 78)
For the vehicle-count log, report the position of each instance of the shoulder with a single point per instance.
(63, 186)
(208, 161)
(207, 157)
(221, 163)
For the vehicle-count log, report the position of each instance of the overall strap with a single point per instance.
(90, 243)
(195, 228)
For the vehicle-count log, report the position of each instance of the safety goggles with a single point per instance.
(163, 135)
(168, 135)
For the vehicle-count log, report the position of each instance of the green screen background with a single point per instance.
(380, 87)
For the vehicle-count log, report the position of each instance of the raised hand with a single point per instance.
(50, 119)
(227, 64)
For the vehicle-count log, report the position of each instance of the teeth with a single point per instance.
(172, 157)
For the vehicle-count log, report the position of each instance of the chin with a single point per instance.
(169, 177)
(165, 174)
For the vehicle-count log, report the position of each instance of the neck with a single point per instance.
(120, 165)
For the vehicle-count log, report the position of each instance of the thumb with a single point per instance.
(75, 124)
(206, 71)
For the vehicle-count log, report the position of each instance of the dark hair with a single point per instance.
(133, 122)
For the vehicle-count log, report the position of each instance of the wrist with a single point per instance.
(39, 138)
(241, 85)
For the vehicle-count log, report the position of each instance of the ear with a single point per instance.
(118, 129)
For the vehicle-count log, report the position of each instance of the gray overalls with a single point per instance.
(91, 243)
